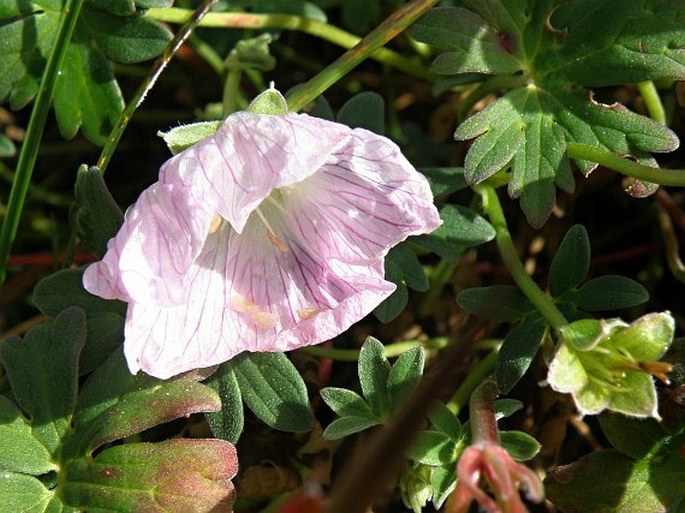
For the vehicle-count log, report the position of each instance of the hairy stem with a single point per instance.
(627, 167)
(157, 69)
(511, 260)
(315, 28)
(482, 413)
(372, 43)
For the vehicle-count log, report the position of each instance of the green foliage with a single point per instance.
(505, 303)
(364, 110)
(385, 388)
(649, 478)
(96, 216)
(549, 52)
(46, 448)
(87, 96)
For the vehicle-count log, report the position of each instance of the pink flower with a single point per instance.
(503, 475)
(266, 236)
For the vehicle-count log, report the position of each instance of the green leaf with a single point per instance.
(273, 389)
(405, 376)
(228, 422)
(521, 446)
(461, 225)
(395, 303)
(443, 481)
(606, 46)
(609, 292)
(43, 370)
(7, 147)
(104, 317)
(114, 404)
(409, 265)
(364, 110)
(86, 94)
(611, 481)
(97, 217)
(517, 352)
(345, 403)
(174, 475)
(183, 137)
(359, 15)
(633, 437)
(346, 426)
(501, 303)
(445, 421)
(374, 371)
(445, 180)
(571, 262)
(472, 45)
(501, 130)
(506, 408)
(19, 450)
(22, 493)
(433, 448)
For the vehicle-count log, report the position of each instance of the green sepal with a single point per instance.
(270, 102)
(183, 137)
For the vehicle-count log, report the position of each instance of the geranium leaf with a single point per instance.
(273, 389)
(411, 268)
(521, 446)
(364, 110)
(114, 404)
(462, 226)
(174, 475)
(346, 426)
(472, 44)
(228, 422)
(23, 493)
(43, 371)
(445, 421)
(605, 46)
(445, 180)
(19, 450)
(394, 304)
(86, 94)
(633, 437)
(345, 403)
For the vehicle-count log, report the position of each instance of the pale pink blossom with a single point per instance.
(266, 236)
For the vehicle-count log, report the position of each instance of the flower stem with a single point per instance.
(482, 413)
(627, 167)
(391, 350)
(34, 132)
(652, 101)
(372, 43)
(474, 378)
(512, 262)
(315, 28)
(159, 66)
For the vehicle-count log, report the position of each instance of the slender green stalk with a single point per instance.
(391, 350)
(482, 370)
(627, 167)
(315, 28)
(511, 260)
(652, 101)
(373, 42)
(208, 53)
(157, 69)
(231, 90)
(34, 132)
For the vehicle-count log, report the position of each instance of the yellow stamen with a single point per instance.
(308, 313)
(261, 318)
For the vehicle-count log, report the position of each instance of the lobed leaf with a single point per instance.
(19, 450)
(22, 493)
(43, 372)
(174, 475)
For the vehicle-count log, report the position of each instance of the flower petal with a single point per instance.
(365, 199)
(247, 294)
